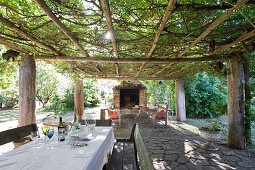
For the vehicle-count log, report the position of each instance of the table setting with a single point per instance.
(84, 147)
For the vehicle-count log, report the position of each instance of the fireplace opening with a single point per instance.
(129, 98)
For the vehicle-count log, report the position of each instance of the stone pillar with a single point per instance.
(180, 100)
(236, 131)
(143, 97)
(27, 91)
(78, 101)
(116, 98)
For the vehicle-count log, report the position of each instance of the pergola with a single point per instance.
(132, 40)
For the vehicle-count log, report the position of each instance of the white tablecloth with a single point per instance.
(60, 156)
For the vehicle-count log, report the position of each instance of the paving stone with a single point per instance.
(228, 152)
(193, 154)
(202, 162)
(172, 152)
(188, 147)
(245, 165)
(192, 166)
(231, 163)
(192, 160)
(182, 160)
(158, 151)
(182, 167)
(241, 152)
(174, 164)
(232, 158)
(209, 167)
(158, 156)
(216, 155)
(171, 157)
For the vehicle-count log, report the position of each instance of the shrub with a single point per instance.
(205, 96)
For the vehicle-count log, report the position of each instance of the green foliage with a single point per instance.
(8, 82)
(214, 125)
(205, 96)
(46, 82)
(160, 93)
(91, 93)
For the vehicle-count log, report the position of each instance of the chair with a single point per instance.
(17, 133)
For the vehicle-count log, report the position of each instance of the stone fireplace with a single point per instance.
(128, 94)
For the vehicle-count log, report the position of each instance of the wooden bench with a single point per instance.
(130, 154)
(17, 133)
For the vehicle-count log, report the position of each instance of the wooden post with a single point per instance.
(236, 132)
(27, 91)
(78, 101)
(248, 97)
(180, 100)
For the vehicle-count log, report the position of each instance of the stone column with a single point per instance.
(180, 100)
(78, 101)
(27, 91)
(116, 98)
(236, 131)
(143, 97)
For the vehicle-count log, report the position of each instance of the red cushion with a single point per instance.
(112, 114)
(160, 116)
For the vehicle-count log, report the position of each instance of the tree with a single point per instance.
(46, 82)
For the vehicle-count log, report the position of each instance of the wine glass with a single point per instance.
(50, 133)
(45, 130)
(34, 136)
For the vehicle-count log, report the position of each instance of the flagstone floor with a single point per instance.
(172, 148)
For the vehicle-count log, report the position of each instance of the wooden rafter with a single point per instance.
(240, 39)
(135, 78)
(164, 20)
(62, 27)
(217, 22)
(26, 35)
(131, 60)
(5, 42)
(107, 13)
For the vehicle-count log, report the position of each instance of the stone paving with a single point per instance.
(179, 149)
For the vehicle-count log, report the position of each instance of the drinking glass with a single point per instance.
(50, 133)
(91, 125)
(45, 130)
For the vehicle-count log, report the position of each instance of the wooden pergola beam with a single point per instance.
(216, 23)
(59, 24)
(164, 20)
(131, 60)
(26, 35)
(135, 78)
(240, 39)
(5, 42)
(107, 13)
(62, 27)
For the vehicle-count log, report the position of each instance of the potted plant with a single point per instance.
(211, 133)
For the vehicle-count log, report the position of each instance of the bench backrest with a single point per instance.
(17, 133)
(106, 122)
(144, 159)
